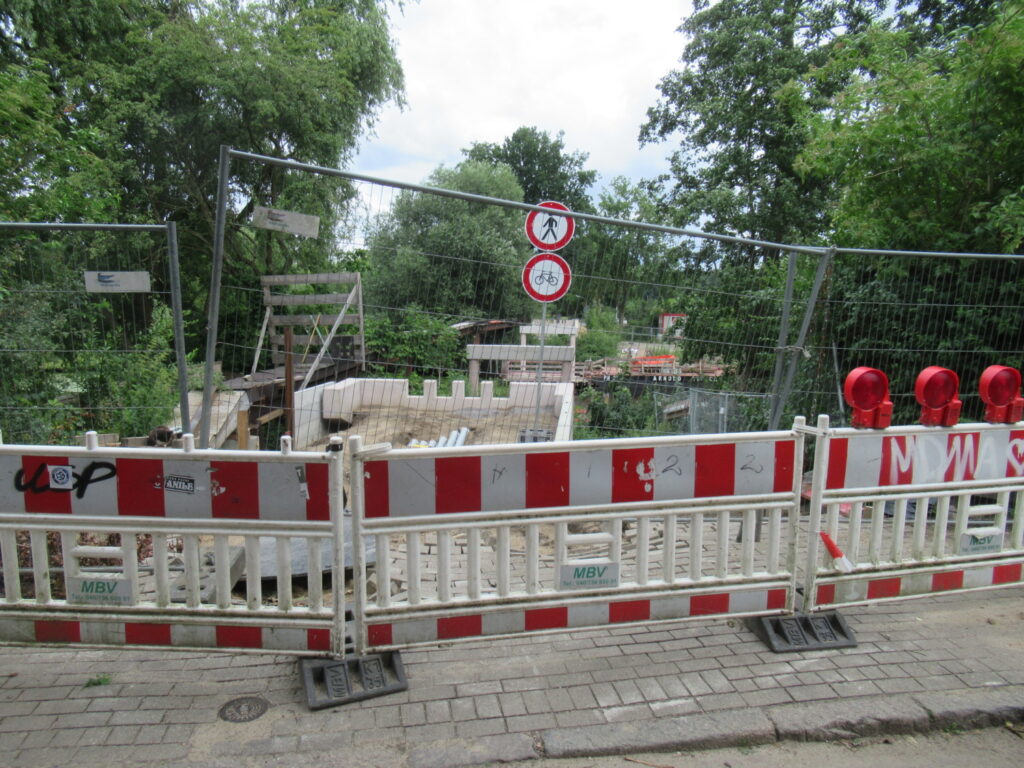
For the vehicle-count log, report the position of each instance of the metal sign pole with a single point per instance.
(540, 364)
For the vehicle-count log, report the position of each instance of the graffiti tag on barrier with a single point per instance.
(63, 479)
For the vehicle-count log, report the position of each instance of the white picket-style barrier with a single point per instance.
(503, 539)
(917, 510)
(480, 541)
(216, 504)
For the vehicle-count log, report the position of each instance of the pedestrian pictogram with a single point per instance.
(546, 277)
(549, 231)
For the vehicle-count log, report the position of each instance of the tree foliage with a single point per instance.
(140, 94)
(739, 130)
(542, 166)
(449, 255)
(926, 146)
(926, 150)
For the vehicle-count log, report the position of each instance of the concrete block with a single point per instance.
(974, 708)
(702, 731)
(848, 718)
(503, 748)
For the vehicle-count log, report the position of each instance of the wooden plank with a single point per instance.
(519, 352)
(270, 416)
(318, 278)
(325, 320)
(311, 339)
(243, 430)
(299, 300)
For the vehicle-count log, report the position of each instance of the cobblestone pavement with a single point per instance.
(947, 662)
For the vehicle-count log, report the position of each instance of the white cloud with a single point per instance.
(478, 69)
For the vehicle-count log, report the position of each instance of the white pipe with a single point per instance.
(442, 441)
(463, 435)
(452, 437)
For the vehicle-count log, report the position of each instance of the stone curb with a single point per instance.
(811, 721)
(704, 731)
(446, 753)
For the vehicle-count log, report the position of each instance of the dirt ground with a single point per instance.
(400, 425)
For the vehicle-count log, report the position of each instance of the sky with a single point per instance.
(476, 70)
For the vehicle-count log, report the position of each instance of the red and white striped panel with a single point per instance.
(401, 632)
(408, 487)
(829, 594)
(285, 639)
(871, 460)
(180, 488)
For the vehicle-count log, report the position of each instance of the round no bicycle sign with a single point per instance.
(548, 231)
(546, 277)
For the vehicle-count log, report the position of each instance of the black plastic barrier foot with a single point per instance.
(804, 632)
(331, 683)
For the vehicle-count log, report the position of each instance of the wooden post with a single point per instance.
(243, 430)
(289, 382)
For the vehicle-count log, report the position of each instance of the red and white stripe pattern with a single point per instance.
(873, 460)
(178, 488)
(21, 630)
(829, 594)
(493, 482)
(401, 632)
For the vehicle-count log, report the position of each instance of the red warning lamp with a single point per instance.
(936, 390)
(1000, 391)
(866, 390)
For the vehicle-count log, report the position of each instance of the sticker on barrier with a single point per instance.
(84, 484)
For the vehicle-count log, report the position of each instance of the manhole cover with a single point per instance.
(244, 709)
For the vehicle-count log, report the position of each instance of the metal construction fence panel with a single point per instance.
(916, 510)
(144, 547)
(507, 539)
(79, 302)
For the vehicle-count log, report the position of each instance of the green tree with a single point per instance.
(114, 110)
(451, 256)
(926, 149)
(161, 84)
(618, 263)
(542, 166)
(740, 133)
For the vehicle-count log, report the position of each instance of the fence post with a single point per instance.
(336, 491)
(794, 361)
(355, 481)
(820, 474)
(179, 326)
(224, 170)
(780, 350)
(793, 549)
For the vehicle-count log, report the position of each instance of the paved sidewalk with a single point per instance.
(947, 662)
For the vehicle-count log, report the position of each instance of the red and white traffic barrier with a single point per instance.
(84, 483)
(924, 456)
(224, 636)
(846, 591)
(408, 631)
(400, 486)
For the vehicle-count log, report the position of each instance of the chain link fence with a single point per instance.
(90, 332)
(746, 334)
